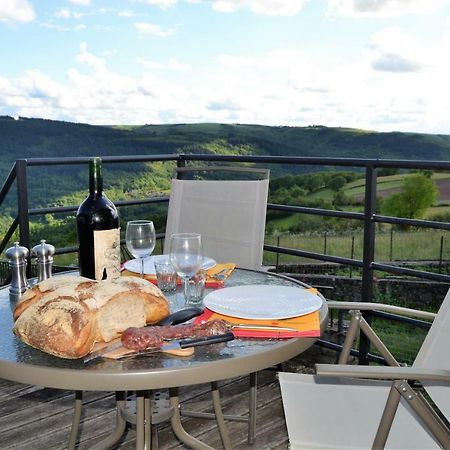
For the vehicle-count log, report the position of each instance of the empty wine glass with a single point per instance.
(186, 255)
(141, 239)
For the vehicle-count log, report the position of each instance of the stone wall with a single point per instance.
(412, 294)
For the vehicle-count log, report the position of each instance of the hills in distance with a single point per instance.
(37, 138)
(25, 138)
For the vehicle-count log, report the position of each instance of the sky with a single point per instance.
(380, 65)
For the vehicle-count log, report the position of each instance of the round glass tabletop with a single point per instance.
(22, 363)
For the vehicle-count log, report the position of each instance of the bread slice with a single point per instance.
(66, 315)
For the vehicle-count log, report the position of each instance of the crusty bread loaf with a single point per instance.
(66, 315)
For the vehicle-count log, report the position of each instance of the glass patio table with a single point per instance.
(210, 363)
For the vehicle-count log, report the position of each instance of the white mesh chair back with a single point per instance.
(230, 215)
(434, 354)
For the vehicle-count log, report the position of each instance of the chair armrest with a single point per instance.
(381, 372)
(363, 306)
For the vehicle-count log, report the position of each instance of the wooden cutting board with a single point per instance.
(122, 351)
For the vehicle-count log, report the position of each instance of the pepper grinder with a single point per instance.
(44, 254)
(17, 260)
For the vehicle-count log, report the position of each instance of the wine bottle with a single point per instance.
(98, 230)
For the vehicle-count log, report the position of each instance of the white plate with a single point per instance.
(134, 265)
(262, 302)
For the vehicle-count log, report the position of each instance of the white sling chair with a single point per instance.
(356, 407)
(229, 214)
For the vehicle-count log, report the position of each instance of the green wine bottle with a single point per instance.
(98, 230)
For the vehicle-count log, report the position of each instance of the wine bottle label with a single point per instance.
(107, 253)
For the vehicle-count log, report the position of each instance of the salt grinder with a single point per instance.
(17, 260)
(44, 254)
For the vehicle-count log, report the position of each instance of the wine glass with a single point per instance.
(141, 239)
(186, 255)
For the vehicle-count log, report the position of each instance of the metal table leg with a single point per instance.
(121, 424)
(178, 429)
(252, 408)
(219, 416)
(143, 420)
(75, 420)
(148, 419)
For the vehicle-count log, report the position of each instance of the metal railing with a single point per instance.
(368, 218)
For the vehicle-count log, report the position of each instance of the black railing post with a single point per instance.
(181, 162)
(352, 255)
(368, 251)
(391, 246)
(22, 206)
(277, 262)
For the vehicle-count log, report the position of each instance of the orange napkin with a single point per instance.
(211, 282)
(304, 326)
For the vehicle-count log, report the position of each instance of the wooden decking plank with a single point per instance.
(45, 420)
(40, 418)
(234, 401)
(238, 430)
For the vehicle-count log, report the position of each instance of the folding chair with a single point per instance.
(360, 407)
(230, 214)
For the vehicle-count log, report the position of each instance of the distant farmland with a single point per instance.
(387, 186)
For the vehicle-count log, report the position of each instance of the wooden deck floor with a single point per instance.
(40, 418)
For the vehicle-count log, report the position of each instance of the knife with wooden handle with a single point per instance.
(180, 345)
(115, 350)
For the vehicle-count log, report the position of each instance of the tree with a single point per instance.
(314, 182)
(337, 183)
(418, 193)
(387, 171)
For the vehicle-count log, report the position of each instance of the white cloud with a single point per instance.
(171, 64)
(81, 2)
(392, 50)
(160, 3)
(284, 86)
(12, 11)
(268, 7)
(127, 13)
(146, 28)
(383, 8)
(61, 28)
(63, 13)
(66, 13)
(85, 57)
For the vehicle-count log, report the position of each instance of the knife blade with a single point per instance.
(114, 345)
(243, 326)
(180, 344)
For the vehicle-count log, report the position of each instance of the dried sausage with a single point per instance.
(148, 337)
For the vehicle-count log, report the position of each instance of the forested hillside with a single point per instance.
(36, 138)
(67, 185)
(25, 138)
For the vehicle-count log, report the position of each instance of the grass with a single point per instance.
(356, 188)
(403, 340)
(416, 246)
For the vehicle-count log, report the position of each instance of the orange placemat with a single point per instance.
(226, 269)
(303, 326)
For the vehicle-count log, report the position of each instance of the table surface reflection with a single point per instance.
(22, 363)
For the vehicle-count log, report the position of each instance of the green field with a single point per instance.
(395, 246)
(384, 184)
